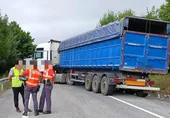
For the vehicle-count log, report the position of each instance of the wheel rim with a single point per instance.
(94, 84)
(87, 83)
(103, 85)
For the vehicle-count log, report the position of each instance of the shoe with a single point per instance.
(25, 114)
(29, 110)
(40, 110)
(18, 110)
(47, 112)
(36, 113)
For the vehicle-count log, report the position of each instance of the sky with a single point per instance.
(62, 19)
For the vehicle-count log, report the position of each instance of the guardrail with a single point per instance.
(2, 82)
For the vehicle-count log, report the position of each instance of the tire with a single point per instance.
(96, 84)
(88, 83)
(68, 81)
(106, 89)
(141, 94)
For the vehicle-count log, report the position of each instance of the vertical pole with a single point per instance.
(2, 87)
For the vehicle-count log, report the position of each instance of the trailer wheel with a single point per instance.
(106, 89)
(68, 81)
(96, 84)
(88, 83)
(141, 94)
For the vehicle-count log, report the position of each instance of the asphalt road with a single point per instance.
(76, 102)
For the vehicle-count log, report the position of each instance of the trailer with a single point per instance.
(117, 56)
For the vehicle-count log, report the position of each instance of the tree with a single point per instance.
(14, 43)
(153, 14)
(126, 13)
(6, 49)
(24, 41)
(110, 16)
(164, 12)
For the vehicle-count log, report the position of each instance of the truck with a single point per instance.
(47, 52)
(118, 56)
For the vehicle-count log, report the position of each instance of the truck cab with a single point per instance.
(47, 51)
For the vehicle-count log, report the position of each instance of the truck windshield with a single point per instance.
(39, 53)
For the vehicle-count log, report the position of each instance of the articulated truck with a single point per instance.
(118, 56)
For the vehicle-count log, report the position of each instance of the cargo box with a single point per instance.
(131, 44)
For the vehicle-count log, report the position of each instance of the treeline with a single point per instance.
(15, 43)
(162, 13)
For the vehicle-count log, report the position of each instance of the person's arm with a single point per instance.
(41, 75)
(26, 73)
(10, 75)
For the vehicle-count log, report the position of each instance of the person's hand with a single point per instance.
(38, 88)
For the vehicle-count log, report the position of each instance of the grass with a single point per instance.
(163, 82)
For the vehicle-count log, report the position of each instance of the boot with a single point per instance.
(36, 113)
(25, 113)
(40, 110)
(47, 112)
(18, 110)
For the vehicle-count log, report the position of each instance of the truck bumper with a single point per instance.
(138, 88)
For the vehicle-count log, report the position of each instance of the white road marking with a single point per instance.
(30, 99)
(24, 116)
(154, 114)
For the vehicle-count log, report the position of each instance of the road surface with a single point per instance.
(75, 102)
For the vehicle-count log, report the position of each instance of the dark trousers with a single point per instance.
(27, 93)
(16, 91)
(46, 95)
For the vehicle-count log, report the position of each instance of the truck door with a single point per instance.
(144, 52)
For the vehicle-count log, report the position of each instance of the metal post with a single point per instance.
(2, 87)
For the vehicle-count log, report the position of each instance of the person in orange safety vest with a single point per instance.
(48, 80)
(31, 87)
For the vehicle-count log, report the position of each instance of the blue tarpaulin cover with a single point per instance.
(106, 32)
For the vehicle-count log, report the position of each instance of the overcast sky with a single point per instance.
(61, 19)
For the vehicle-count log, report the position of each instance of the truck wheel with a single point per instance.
(68, 81)
(96, 84)
(88, 83)
(141, 94)
(106, 89)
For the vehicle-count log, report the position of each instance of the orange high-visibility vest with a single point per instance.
(34, 78)
(48, 76)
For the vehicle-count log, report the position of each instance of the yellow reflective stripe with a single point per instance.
(14, 78)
